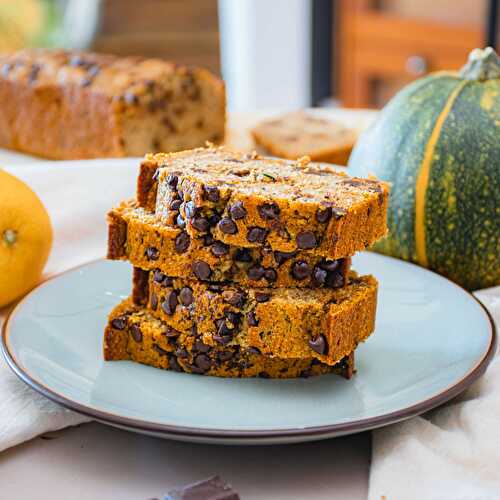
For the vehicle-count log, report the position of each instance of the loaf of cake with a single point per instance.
(279, 322)
(71, 105)
(248, 201)
(298, 134)
(137, 236)
(134, 334)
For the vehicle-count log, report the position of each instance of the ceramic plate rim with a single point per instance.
(313, 432)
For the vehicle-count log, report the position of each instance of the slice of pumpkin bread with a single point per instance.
(134, 334)
(137, 236)
(298, 134)
(326, 324)
(248, 201)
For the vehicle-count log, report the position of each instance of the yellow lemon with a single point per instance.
(25, 238)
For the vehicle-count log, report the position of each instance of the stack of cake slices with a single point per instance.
(242, 265)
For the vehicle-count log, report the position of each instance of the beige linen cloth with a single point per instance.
(450, 453)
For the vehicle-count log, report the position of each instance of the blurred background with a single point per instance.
(279, 54)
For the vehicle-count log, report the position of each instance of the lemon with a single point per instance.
(25, 238)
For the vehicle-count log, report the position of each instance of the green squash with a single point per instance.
(438, 143)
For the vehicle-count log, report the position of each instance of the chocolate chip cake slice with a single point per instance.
(134, 334)
(137, 236)
(248, 201)
(298, 134)
(70, 105)
(279, 322)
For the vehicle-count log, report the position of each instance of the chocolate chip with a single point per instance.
(152, 253)
(269, 211)
(252, 319)
(158, 276)
(180, 221)
(281, 257)
(301, 270)
(319, 276)
(234, 298)
(180, 352)
(135, 332)
(195, 369)
(222, 328)
(171, 333)
(211, 193)
(200, 224)
(335, 279)
(233, 317)
(256, 235)
(225, 356)
(208, 240)
(170, 303)
(318, 344)
(190, 209)
(159, 350)
(202, 361)
(329, 265)
(253, 350)
(167, 282)
(174, 364)
(237, 211)
(175, 205)
(243, 255)
(186, 296)
(172, 181)
(200, 346)
(182, 242)
(262, 297)
(227, 226)
(323, 215)
(219, 249)
(224, 340)
(271, 275)
(213, 220)
(201, 270)
(119, 323)
(154, 301)
(306, 240)
(256, 273)
(264, 375)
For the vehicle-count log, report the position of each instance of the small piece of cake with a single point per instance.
(134, 334)
(277, 322)
(71, 105)
(137, 236)
(213, 488)
(248, 201)
(299, 134)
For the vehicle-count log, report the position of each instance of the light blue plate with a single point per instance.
(432, 341)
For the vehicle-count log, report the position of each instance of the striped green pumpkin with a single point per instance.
(438, 143)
